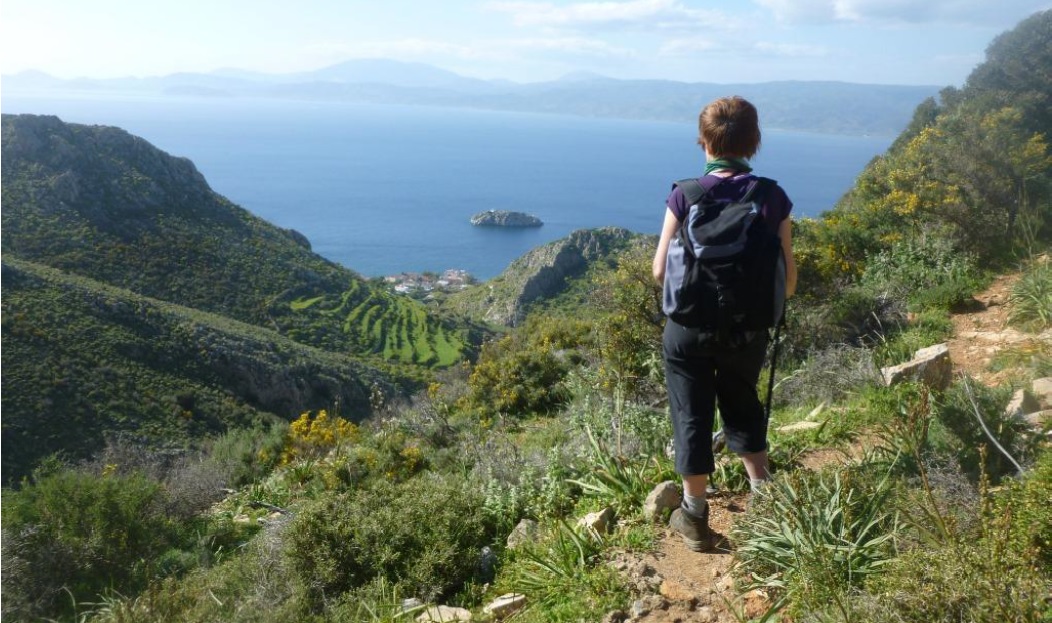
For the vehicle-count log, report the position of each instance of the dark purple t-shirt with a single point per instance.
(776, 207)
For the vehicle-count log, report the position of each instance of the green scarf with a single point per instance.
(736, 164)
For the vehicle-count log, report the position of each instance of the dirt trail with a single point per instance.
(699, 588)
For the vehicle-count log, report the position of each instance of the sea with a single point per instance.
(387, 189)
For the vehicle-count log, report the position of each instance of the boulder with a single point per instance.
(505, 605)
(931, 366)
(1042, 390)
(444, 614)
(598, 522)
(665, 496)
(1022, 403)
(523, 532)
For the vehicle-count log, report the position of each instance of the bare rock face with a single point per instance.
(931, 366)
(505, 218)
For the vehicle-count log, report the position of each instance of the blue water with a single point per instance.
(387, 189)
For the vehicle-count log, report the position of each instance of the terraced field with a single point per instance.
(397, 328)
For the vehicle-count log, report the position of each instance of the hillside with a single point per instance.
(544, 274)
(101, 203)
(85, 363)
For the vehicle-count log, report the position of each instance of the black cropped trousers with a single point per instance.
(701, 374)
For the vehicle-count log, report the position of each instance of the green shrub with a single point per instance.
(522, 373)
(1031, 299)
(73, 531)
(959, 411)
(927, 272)
(997, 571)
(424, 534)
(560, 576)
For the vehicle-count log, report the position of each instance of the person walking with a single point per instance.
(704, 367)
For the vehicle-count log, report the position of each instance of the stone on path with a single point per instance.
(1042, 390)
(598, 522)
(1022, 403)
(931, 366)
(796, 427)
(665, 496)
(505, 605)
(444, 614)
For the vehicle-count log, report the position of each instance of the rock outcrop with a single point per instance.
(541, 274)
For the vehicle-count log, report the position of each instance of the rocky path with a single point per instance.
(981, 334)
(678, 585)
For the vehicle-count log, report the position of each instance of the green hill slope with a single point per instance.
(84, 361)
(563, 269)
(101, 203)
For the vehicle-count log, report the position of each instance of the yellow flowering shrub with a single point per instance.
(312, 437)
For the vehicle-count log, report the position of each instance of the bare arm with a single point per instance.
(668, 230)
(785, 232)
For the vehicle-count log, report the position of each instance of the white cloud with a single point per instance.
(687, 47)
(792, 50)
(973, 12)
(694, 45)
(662, 14)
(493, 49)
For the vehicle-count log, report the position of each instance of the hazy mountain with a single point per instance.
(808, 106)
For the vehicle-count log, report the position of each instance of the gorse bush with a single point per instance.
(314, 437)
(424, 534)
(522, 373)
(72, 531)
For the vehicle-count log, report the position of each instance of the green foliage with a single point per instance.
(927, 272)
(925, 329)
(1031, 299)
(91, 361)
(619, 481)
(814, 536)
(522, 373)
(630, 326)
(73, 531)
(997, 570)
(424, 534)
(560, 577)
(962, 408)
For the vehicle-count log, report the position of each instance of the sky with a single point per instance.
(929, 42)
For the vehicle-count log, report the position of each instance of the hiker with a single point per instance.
(706, 365)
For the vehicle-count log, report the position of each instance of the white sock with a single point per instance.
(758, 484)
(695, 504)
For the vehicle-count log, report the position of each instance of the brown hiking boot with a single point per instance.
(695, 530)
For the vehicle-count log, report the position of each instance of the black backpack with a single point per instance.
(725, 270)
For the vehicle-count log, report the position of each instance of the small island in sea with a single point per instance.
(505, 218)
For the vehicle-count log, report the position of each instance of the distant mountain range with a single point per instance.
(833, 107)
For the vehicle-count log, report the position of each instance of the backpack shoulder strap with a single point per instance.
(758, 189)
(694, 189)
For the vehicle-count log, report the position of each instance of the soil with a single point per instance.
(686, 586)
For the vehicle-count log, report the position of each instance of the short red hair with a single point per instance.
(729, 128)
